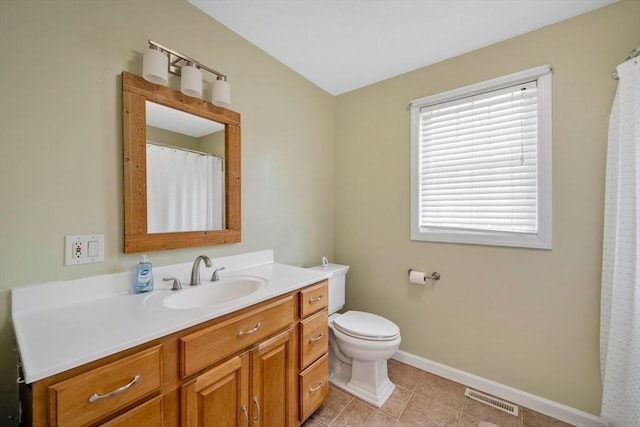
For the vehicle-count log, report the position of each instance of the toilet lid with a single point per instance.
(366, 325)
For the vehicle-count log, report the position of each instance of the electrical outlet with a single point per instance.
(83, 249)
(77, 250)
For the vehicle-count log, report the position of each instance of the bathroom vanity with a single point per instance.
(119, 359)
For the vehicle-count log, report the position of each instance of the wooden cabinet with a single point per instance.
(254, 388)
(148, 414)
(203, 348)
(273, 365)
(314, 346)
(314, 338)
(88, 397)
(219, 397)
(261, 366)
(314, 298)
(314, 386)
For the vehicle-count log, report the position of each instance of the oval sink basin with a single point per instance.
(213, 293)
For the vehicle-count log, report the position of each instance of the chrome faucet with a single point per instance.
(195, 270)
(215, 277)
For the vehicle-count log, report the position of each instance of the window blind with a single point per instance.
(478, 162)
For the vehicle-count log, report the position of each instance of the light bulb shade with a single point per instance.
(155, 66)
(221, 93)
(191, 81)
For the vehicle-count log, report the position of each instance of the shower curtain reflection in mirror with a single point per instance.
(185, 190)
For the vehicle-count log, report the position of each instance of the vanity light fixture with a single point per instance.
(221, 92)
(159, 60)
(155, 66)
(191, 80)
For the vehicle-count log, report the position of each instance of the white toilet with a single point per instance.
(359, 344)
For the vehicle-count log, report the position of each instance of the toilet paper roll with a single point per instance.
(419, 277)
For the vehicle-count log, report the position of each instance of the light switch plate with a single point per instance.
(83, 249)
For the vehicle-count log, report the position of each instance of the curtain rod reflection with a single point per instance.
(202, 153)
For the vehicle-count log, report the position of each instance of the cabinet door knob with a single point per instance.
(119, 390)
(315, 300)
(250, 331)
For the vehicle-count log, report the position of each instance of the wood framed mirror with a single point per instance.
(137, 94)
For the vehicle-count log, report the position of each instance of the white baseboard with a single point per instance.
(539, 404)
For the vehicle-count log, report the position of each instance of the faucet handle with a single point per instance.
(215, 277)
(176, 283)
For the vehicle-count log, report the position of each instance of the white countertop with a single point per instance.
(62, 325)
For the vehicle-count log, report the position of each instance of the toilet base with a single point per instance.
(374, 390)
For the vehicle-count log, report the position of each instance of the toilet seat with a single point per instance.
(366, 326)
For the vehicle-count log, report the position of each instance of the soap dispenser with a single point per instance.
(143, 276)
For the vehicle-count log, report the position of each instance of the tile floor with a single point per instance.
(420, 399)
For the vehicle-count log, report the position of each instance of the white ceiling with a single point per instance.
(341, 45)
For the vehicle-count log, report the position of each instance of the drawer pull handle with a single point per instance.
(246, 415)
(257, 417)
(316, 388)
(250, 331)
(315, 300)
(119, 390)
(318, 338)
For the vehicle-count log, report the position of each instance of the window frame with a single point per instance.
(542, 239)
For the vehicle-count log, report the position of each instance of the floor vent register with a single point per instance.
(507, 407)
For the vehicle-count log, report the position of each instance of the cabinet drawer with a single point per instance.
(148, 414)
(314, 338)
(101, 391)
(314, 387)
(206, 347)
(314, 299)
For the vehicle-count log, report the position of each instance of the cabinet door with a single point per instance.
(273, 365)
(218, 397)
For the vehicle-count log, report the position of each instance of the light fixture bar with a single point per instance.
(176, 57)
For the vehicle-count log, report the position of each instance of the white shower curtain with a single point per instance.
(185, 190)
(620, 303)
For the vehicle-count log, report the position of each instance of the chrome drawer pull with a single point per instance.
(314, 300)
(119, 390)
(316, 388)
(257, 417)
(250, 331)
(246, 415)
(318, 338)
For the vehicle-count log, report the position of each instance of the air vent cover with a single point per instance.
(507, 407)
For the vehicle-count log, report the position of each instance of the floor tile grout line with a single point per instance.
(415, 387)
(342, 410)
(377, 409)
(404, 407)
(462, 412)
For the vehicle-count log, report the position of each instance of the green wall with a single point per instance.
(521, 317)
(61, 141)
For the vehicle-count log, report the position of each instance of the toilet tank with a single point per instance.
(336, 280)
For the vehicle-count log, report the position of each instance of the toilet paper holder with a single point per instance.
(434, 276)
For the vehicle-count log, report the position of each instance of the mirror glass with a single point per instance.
(175, 202)
(185, 171)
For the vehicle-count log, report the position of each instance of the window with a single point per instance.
(481, 163)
